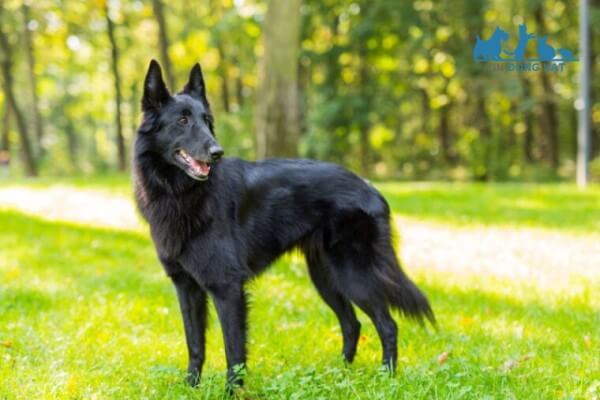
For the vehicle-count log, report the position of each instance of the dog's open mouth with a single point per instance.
(196, 169)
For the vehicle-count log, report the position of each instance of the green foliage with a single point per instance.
(379, 82)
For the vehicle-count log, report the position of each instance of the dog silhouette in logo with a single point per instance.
(566, 55)
(490, 49)
(519, 52)
(545, 51)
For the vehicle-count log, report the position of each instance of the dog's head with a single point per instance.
(182, 131)
(501, 34)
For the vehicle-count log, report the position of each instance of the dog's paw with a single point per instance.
(193, 378)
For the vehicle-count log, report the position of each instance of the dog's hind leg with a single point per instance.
(355, 283)
(378, 312)
(350, 251)
(342, 308)
(361, 291)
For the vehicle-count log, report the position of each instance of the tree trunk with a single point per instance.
(72, 142)
(425, 111)
(486, 136)
(548, 118)
(29, 49)
(528, 140)
(277, 112)
(121, 153)
(239, 89)
(425, 118)
(223, 75)
(303, 84)
(548, 121)
(6, 66)
(134, 104)
(444, 135)
(364, 125)
(5, 139)
(216, 9)
(163, 41)
(594, 95)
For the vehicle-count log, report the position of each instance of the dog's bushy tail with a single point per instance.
(401, 293)
(373, 233)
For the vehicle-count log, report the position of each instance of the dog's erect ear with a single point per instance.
(156, 94)
(195, 86)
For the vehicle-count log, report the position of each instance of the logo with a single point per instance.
(496, 58)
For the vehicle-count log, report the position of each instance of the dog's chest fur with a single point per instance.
(173, 219)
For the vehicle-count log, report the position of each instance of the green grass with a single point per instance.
(555, 206)
(88, 313)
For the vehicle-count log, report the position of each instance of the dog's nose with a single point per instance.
(216, 152)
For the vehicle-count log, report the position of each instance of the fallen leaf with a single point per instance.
(527, 356)
(362, 339)
(7, 343)
(465, 321)
(442, 358)
(510, 364)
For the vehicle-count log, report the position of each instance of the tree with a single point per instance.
(6, 55)
(278, 127)
(528, 140)
(29, 51)
(584, 129)
(163, 41)
(5, 134)
(445, 135)
(363, 93)
(548, 117)
(218, 34)
(121, 152)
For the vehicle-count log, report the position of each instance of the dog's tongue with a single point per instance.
(200, 167)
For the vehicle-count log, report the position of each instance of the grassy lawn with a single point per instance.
(554, 206)
(87, 312)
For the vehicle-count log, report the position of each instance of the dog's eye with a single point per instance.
(182, 120)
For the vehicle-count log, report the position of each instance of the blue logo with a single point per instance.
(548, 59)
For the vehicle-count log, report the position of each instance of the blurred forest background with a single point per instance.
(387, 88)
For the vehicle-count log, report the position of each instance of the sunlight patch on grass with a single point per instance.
(64, 203)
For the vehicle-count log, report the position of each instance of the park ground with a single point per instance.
(512, 272)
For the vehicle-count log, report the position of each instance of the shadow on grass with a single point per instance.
(79, 258)
(23, 301)
(472, 309)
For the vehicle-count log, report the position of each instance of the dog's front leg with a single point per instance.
(192, 301)
(230, 302)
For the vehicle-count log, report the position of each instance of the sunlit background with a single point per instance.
(387, 88)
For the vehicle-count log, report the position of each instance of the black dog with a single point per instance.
(216, 223)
